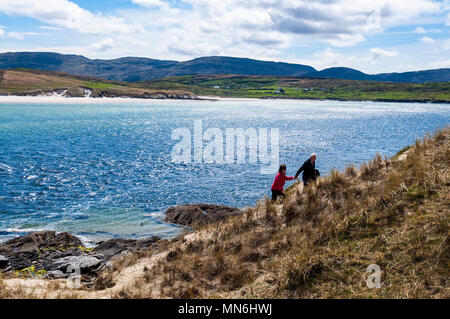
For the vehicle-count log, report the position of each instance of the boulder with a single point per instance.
(22, 260)
(84, 263)
(198, 213)
(38, 240)
(117, 246)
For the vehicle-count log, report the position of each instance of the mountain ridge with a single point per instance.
(134, 69)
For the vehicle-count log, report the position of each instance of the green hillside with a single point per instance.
(303, 88)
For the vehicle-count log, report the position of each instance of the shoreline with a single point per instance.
(105, 100)
(86, 100)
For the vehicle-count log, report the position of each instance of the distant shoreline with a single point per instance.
(103, 100)
(93, 100)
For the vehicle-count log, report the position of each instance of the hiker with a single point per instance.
(309, 170)
(278, 183)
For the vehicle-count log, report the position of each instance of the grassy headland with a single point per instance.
(33, 82)
(303, 88)
(317, 244)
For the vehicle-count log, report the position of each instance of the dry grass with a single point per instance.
(319, 242)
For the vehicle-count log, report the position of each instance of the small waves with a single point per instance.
(6, 168)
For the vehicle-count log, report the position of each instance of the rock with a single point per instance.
(38, 240)
(3, 262)
(113, 247)
(22, 260)
(84, 263)
(56, 274)
(54, 252)
(146, 242)
(198, 213)
(65, 240)
(117, 246)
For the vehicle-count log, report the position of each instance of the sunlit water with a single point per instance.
(103, 169)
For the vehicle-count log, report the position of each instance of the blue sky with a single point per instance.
(372, 36)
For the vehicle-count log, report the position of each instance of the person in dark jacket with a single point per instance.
(309, 170)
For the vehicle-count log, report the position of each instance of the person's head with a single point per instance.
(313, 157)
(282, 169)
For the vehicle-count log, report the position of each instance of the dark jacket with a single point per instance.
(308, 168)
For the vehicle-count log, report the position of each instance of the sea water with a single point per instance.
(102, 168)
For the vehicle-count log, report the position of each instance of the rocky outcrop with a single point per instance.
(84, 263)
(145, 95)
(113, 247)
(96, 93)
(49, 253)
(198, 213)
(39, 240)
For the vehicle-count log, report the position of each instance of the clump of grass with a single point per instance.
(351, 171)
(104, 281)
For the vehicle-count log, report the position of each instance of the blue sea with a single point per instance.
(103, 168)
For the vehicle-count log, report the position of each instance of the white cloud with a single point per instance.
(103, 45)
(46, 27)
(420, 30)
(150, 3)
(439, 64)
(235, 25)
(379, 52)
(67, 14)
(16, 35)
(345, 40)
(427, 40)
(445, 44)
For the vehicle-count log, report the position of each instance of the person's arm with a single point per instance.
(289, 178)
(301, 169)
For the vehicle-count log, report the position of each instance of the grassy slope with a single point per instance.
(319, 243)
(263, 86)
(24, 81)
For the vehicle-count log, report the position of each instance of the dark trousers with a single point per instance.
(275, 195)
(307, 181)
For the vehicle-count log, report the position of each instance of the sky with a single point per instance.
(371, 36)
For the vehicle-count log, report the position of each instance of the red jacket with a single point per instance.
(279, 181)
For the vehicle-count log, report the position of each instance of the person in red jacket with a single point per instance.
(278, 183)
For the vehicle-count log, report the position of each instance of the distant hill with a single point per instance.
(342, 73)
(133, 69)
(437, 75)
(139, 69)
